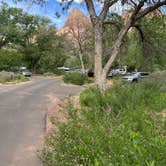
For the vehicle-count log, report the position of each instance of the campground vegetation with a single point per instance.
(122, 125)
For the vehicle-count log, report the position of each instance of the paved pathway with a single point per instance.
(22, 118)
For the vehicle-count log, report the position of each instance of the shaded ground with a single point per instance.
(22, 118)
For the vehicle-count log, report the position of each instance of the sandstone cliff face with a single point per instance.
(75, 23)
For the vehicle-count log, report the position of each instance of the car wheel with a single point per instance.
(135, 81)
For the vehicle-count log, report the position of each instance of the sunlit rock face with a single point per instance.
(76, 22)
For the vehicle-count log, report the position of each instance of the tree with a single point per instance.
(139, 9)
(46, 52)
(144, 49)
(8, 27)
(78, 35)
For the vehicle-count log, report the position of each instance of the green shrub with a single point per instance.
(75, 78)
(111, 129)
(6, 76)
(11, 77)
(20, 78)
(59, 72)
(10, 60)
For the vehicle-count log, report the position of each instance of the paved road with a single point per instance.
(22, 113)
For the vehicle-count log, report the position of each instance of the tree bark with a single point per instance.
(98, 30)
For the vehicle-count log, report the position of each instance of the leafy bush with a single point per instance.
(113, 128)
(6, 76)
(58, 72)
(76, 78)
(10, 60)
(20, 78)
(11, 77)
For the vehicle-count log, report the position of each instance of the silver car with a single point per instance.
(25, 72)
(134, 77)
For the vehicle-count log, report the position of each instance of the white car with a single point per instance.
(134, 77)
(115, 72)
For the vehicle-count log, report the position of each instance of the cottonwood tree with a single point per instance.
(138, 10)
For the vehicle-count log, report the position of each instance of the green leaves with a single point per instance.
(113, 128)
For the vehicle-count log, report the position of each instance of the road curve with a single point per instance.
(22, 112)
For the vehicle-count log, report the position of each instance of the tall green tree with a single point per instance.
(139, 9)
(46, 51)
(9, 20)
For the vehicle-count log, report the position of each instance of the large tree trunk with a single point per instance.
(101, 74)
(98, 29)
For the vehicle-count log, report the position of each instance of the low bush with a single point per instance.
(59, 72)
(76, 78)
(11, 77)
(113, 128)
(6, 76)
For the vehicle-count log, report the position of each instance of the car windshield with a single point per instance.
(25, 71)
(133, 73)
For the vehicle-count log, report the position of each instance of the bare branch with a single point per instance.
(137, 9)
(132, 2)
(107, 5)
(91, 9)
(150, 9)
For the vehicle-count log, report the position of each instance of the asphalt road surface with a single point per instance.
(22, 118)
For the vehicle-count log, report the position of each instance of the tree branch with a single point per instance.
(107, 5)
(116, 48)
(91, 9)
(150, 9)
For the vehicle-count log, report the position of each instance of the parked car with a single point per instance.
(120, 71)
(134, 77)
(25, 72)
(65, 69)
(144, 74)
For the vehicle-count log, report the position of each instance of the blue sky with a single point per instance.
(47, 10)
(52, 6)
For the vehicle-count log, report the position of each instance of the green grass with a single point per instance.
(114, 128)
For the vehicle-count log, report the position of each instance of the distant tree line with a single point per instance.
(28, 40)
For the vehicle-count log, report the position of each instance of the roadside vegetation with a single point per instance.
(123, 126)
(77, 78)
(10, 77)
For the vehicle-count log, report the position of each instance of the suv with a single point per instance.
(134, 77)
(25, 72)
